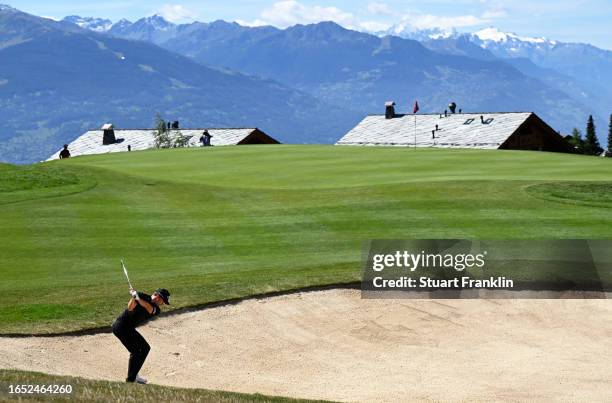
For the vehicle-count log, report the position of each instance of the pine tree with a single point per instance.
(576, 141)
(591, 143)
(610, 136)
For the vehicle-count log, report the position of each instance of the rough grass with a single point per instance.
(86, 391)
(224, 222)
(13, 178)
(19, 183)
(598, 194)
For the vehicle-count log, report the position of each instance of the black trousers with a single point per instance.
(135, 344)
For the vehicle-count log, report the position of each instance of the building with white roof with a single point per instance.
(111, 140)
(506, 130)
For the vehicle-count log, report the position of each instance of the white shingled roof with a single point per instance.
(454, 130)
(142, 139)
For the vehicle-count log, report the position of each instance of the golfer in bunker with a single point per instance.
(140, 309)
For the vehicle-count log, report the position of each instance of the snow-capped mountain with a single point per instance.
(155, 22)
(152, 29)
(121, 24)
(586, 63)
(406, 31)
(486, 38)
(506, 44)
(93, 24)
(583, 62)
(492, 34)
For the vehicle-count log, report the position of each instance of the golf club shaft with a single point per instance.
(126, 274)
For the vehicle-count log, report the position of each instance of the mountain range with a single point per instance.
(58, 80)
(305, 83)
(580, 70)
(560, 81)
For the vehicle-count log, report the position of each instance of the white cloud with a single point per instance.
(290, 12)
(254, 23)
(428, 21)
(417, 21)
(379, 8)
(285, 13)
(494, 14)
(374, 26)
(176, 13)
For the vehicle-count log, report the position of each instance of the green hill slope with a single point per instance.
(86, 390)
(218, 223)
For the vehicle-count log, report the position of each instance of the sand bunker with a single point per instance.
(334, 345)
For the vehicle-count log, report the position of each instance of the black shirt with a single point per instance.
(139, 315)
(64, 154)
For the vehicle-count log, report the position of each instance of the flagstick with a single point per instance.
(415, 131)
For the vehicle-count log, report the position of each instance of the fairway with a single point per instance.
(218, 223)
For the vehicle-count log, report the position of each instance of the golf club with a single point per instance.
(126, 274)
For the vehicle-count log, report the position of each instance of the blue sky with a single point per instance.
(587, 21)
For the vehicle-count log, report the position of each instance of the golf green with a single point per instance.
(223, 222)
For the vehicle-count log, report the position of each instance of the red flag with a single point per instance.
(416, 107)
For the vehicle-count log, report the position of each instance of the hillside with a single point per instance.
(58, 80)
(225, 222)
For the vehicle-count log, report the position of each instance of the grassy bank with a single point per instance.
(85, 390)
(226, 222)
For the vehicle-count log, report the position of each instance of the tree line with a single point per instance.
(589, 145)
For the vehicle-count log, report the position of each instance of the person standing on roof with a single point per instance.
(64, 153)
(208, 137)
(205, 139)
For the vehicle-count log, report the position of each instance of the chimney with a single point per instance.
(108, 134)
(437, 128)
(482, 119)
(389, 110)
(433, 134)
(445, 113)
